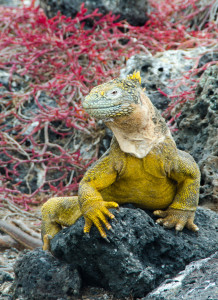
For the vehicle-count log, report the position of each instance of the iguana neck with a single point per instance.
(140, 131)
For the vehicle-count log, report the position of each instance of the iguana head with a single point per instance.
(128, 112)
(115, 98)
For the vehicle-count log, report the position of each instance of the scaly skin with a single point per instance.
(142, 166)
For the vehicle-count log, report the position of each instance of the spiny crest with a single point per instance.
(135, 76)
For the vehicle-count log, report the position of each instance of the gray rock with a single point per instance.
(198, 131)
(16, 3)
(39, 276)
(10, 3)
(134, 11)
(156, 71)
(140, 254)
(5, 276)
(208, 57)
(199, 281)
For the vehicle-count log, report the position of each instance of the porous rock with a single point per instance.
(134, 11)
(139, 253)
(198, 131)
(199, 281)
(157, 71)
(39, 276)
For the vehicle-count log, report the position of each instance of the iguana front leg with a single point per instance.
(94, 209)
(181, 212)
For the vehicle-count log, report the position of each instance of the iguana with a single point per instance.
(142, 166)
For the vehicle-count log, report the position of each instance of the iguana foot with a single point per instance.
(97, 214)
(176, 218)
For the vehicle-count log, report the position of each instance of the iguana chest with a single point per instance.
(143, 182)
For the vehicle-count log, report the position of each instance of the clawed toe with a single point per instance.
(160, 213)
(159, 221)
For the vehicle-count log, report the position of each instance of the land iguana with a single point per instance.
(142, 166)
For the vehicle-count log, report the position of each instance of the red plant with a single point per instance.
(52, 64)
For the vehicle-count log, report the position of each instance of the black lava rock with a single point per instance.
(134, 11)
(40, 276)
(139, 253)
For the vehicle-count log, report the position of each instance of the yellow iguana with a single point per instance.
(142, 166)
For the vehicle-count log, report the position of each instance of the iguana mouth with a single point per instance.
(105, 112)
(103, 107)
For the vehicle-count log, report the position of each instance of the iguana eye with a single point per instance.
(115, 93)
